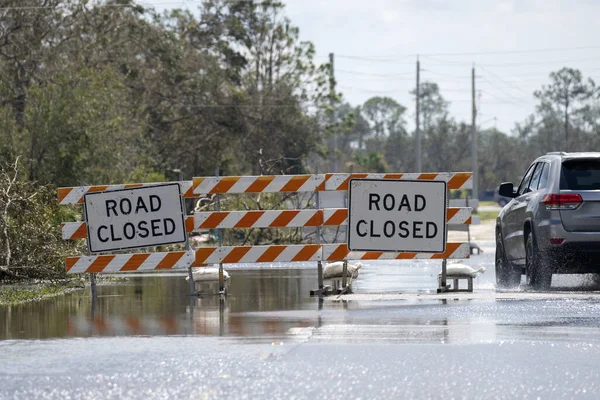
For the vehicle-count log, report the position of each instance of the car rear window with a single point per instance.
(580, 174)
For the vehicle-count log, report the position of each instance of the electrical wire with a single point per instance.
(375, 74)
(502, 80)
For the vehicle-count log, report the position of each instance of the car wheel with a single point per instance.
(538, 275)
(507, 276)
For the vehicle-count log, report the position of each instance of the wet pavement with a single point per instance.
(394, 338)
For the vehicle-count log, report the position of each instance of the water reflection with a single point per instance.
(160, 305)
(273, 304)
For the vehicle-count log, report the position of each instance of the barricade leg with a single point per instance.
(93, 285)
(442, 286)
(344, 273)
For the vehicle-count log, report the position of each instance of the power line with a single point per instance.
(522, 101)
(447, 75)
(485, 52)
(374, 90)
(521, 64)
(375, 74)
(509, 95)
(500, 79)
(374, 59)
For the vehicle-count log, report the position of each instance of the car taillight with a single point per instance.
(565, 201)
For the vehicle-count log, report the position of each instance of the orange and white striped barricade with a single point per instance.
(111, 263)
(454, 180)
(317, 218)
(124, 217)
(258, 254)
(75, 195)
(337, 252)
(267, 219)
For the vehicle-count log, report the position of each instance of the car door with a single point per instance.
(532, 198)
(513, 228)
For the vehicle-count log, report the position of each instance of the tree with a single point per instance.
(565, 94)
(384, 116)
(502, 158)
(433, 107)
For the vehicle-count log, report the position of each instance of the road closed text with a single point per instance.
(397, 216)
(140, 217)
(143, 229)
(417, 229)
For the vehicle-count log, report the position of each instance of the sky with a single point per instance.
(513, 45)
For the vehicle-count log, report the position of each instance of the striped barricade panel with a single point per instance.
(130, 262)
(454, 215)
(269, 219)
(338, 252)
(258, 219)
(459, 215)
(74, 195)
(74, 230)
(257, 184)
(257, 254)
(78, 230)
(455, 180)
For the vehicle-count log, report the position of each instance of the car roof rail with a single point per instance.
(556, 153)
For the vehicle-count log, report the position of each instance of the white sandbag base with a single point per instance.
(455, 286)
(338, 288)
(455, 272)
(206, 280)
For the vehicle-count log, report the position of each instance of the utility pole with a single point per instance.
(474, 137)
(331, 103)
(418, 130)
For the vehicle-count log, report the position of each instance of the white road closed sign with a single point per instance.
(394, 216)
(133, 218)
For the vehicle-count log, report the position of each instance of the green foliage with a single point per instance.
(109, 94)
(566, 97)
(30, 230)
(14, 294)
(370, 162)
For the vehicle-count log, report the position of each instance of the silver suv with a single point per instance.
(552, 223)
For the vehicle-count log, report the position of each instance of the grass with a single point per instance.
(488, 203)
(17, 293)
(486, 215)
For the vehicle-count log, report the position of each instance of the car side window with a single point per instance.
(544, 177)
(525, 182)
(535, 178)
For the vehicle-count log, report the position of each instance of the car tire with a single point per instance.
(538, 275)
(507, 276)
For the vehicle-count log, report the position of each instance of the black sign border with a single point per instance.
(89, 243)
(398, 180)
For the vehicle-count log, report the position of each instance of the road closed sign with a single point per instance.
(395, 216)
(134, 218)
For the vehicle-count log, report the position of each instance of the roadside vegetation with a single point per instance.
(14, 294)
(487, 215)
(114, 92)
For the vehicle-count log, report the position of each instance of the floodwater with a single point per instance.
(146, 338)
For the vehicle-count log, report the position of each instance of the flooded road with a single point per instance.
(145, 338)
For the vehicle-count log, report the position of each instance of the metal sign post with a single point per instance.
(220, 240)
(92, 275)
(319, 263)
(443, 284)
(192, 284)
(345, 266)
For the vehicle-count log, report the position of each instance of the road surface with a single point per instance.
(393, 338)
